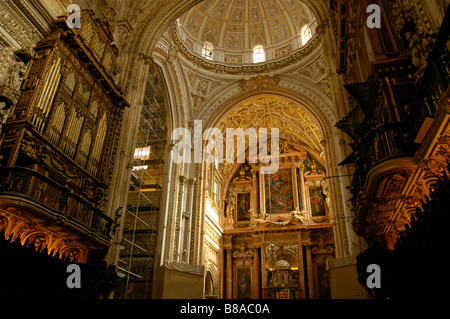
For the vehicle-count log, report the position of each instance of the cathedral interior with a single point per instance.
(350, 96)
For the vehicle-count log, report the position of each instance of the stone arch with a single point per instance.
(325, 121)
(228, 105)
(175, 104)
(211, 282)
(157, 18)
(325, 125)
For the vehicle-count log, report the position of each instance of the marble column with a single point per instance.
(188, 221)
(301, 273)
(310, 273)
(301, 169)
(254, 191)
(256, 282)
(229, 275)
(262, 203)
(295, 187)
(179, 219)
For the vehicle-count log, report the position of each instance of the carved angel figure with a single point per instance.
(258, 218)
(299, 216)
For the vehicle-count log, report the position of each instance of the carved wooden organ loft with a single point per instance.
(398, 123)
(59, 142)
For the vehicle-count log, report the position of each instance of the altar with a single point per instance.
(278, 233)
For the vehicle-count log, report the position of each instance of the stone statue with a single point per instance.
(17, 73)
(4, 111)
(420, 45)
(230, 206)
(110, 18)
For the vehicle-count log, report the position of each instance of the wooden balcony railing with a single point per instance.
(386, 142)
(398, 139)
(23, 182)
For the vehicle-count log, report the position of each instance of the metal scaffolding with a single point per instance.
(135, 269)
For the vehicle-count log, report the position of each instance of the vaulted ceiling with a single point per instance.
(234, 27)
(295, 124)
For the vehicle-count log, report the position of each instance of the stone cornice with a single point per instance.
(247, 69)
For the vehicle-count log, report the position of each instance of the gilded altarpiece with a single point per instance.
(277, 230)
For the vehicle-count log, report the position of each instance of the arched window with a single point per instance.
(207, 51)
(258, 54)
(306, 34)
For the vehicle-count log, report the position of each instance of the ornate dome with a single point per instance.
(233, 28)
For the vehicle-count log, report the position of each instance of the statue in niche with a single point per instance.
(4, 112)
(243, 171)
(17, 73)
(122, 37)
(419, 45)
(230, 206)
(10, 88)
(110, 18)
(418, 40)
(313, 167)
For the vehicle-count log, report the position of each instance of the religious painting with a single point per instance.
(283, 294)
(279, 192)
(317, 201)
(243, 283)
(243, 207)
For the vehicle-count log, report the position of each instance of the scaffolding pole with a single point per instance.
(141, 221)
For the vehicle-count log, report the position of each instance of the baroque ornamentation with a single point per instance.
(294, 122)
(267, 67)
(322, 248)
(416, 30)
(259, 82)
(17, 225)
(243, 252)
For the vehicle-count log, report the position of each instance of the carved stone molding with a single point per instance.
(322, 248)
(246, 69)
(17, 224)
(259, 82)
(243, 252)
